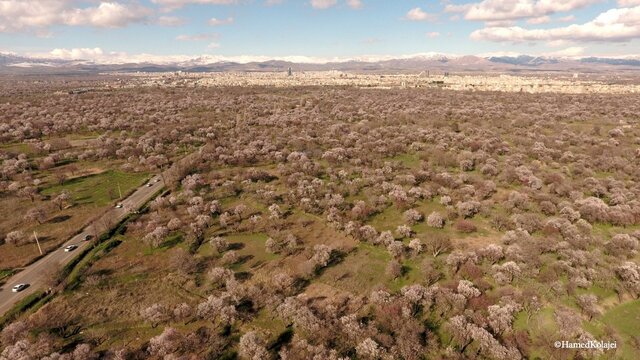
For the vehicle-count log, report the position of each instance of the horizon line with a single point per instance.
(98, 56)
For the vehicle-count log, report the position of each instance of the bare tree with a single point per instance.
(36, 214)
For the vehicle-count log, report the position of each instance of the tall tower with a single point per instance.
(289, 72)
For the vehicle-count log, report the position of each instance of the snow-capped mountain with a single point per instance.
(12, 63)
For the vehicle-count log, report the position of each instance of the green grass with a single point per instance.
(625, 319)
(98, 189)
(18, 148)
(389, 219)
(364, 269)
(542, 320)
(411, 275)
(76, 274)
(254, 248)
(599, 291)
(174, 239)
(606, 230)
(30, 302)
(408, 160)
(130, 278)
(251, 247)
(361, 271)
(266, 321)
(541, 325)
(5, 273)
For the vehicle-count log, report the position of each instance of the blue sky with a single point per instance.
(319, 29)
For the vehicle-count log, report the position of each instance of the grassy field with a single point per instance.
(17, 148)
(360, 272)
(91, 195)
(625, 319)
(125, 279)
(4, 274)
(100, 189)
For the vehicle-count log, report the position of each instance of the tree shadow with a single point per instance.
(404, 270)
(82, 198)
(45, 238)
(299, 284)
(344, 276)
(258, 264)
(172, 241)
(283, 339)
(236, 246)
(243, 275)
(102, 272)
(335, 258)
(245, 306)
(59, 219)
(244, 259)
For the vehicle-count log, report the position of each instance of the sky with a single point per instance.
(316, 30)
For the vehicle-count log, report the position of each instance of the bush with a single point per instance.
(465, 226)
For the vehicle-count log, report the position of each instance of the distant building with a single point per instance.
(289, 72)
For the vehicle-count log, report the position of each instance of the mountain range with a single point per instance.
(17, 64)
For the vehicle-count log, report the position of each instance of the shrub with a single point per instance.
(465, 226)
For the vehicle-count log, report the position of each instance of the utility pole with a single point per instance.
(37, 241)
(119, 191)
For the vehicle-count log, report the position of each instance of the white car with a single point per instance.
(119, 206)
(19, 287)
(149, 184)
(70, 248)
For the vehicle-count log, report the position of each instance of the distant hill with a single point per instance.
(627, 62)
(16, 64)
(524, 60)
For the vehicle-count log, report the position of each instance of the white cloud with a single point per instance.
(170, 5)
(568, 18)
(97, 55)
(417, 14)
(433, 34)
(539, 20)
(355, 4)
(107, 14)
(621, 24)
(323, 4)
(197, 37)
(36, 16)
(79, 53)
(494, 10)
(273, 2)
(557, 43)
(628, 2)
(213, 45)
(500, 23)
(17, 14)
(219, 22)
(569, 52)
(170, 21)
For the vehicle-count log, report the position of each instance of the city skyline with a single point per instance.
(315, 30)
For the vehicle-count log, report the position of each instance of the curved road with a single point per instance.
(36, 274)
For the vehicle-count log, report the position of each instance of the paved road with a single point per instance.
(36, 274)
